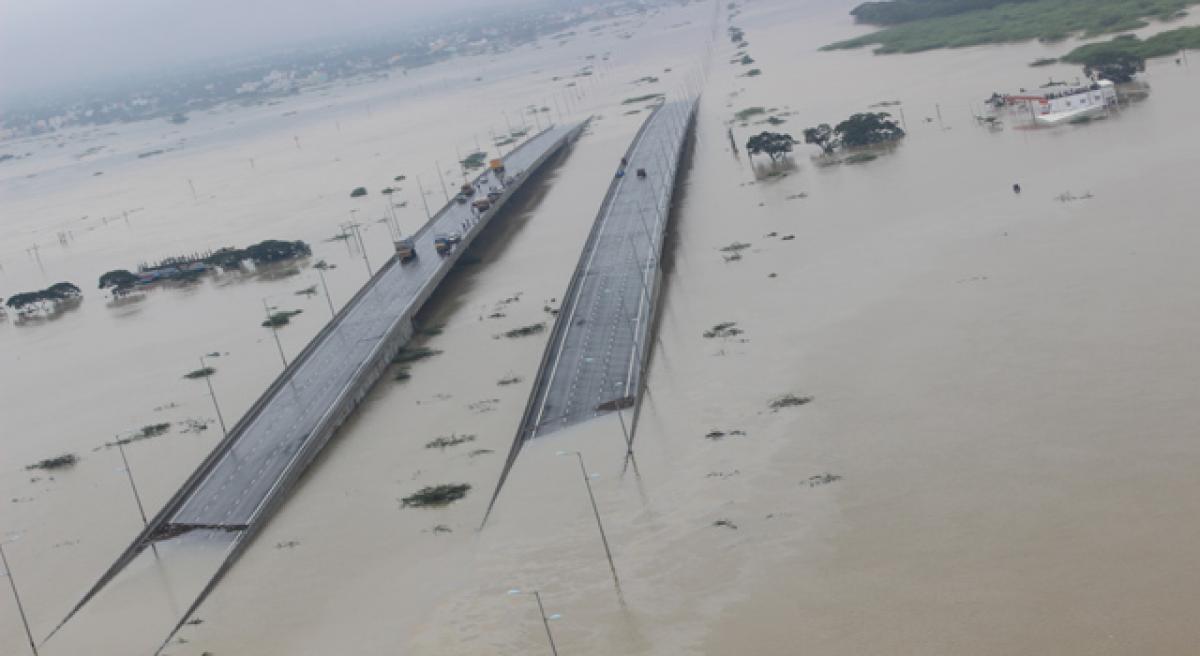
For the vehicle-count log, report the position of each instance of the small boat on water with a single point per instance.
(1056, 106)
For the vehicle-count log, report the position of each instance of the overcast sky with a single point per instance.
(47, 44)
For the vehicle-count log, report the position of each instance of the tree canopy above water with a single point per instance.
(773, 144)
(264, 252)
(51, 296)
(119, 279)
(863, 129)
(868, 129)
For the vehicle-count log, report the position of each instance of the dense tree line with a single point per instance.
(905, 11)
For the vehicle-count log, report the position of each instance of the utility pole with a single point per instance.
(275, 332)
(332, 312)
(12, 583)
(424, 201)
(542, 612)
(133, 486)
(545, 622)
(587, 481)
(439, 172)
(362, 247)
(213, 394)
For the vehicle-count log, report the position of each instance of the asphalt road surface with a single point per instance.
(244, 475)
(595, 362)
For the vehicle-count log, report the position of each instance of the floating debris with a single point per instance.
(479, 452)
(453, 440)
(65, 461)
(725, 329)
(434, 496)
(523, 331)
(726, 523)
(1067, 197)
(307, 291)
(200, 373)
(509, 380)
(195, 425)
(281, 318)
(735, 247)
(407, 355)
(822, 479)
(153, 430)
(716, 435)
(358, 192)
(789, 401)
(486, 405)
(749, 112)
(403, 374)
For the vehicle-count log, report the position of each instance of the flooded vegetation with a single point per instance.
(65, 461)
(894, 382)
(435, 496)
(919, 25)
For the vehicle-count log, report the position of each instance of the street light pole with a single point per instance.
(424, 201)
(133, 486)
(213, 394)
(362, 247)
(321, 273)
(587, 481)
(541, 611)
(442, 178)
(275, 333)
(12, 583)
(545, 622)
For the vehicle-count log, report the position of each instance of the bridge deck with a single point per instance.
(249, 473)
(238, 483)
(594, 360)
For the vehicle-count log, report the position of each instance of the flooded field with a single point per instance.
(996, 458)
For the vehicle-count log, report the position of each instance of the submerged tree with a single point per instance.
(120, 280)
(62, 290)
(264, 252)
(868, 129)
(43, 299)
(822, 136)
(273, 250)
(1119, 67)
(773, 144)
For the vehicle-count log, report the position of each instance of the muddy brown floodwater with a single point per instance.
(997, 458)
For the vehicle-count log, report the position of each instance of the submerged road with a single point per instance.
(252, 469)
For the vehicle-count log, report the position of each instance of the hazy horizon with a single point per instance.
(50, 45)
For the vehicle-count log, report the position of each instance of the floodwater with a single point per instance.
(1003, 383)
